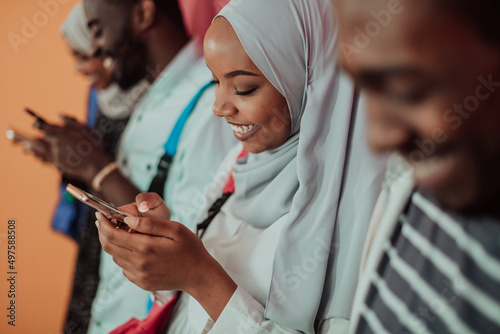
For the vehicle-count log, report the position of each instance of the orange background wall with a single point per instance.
(39, 75)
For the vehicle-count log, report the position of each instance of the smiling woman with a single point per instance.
(282, 250)
(257, 112)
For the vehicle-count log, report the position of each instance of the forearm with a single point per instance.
(117, 189)
(214, 290)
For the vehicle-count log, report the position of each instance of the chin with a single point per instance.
(468, 201)
(252, 149)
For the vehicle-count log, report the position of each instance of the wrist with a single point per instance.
(99, 162)
(214, 289)
(103, 174)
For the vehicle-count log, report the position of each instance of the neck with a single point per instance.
(164, 42)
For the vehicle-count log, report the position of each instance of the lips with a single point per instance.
(244, 132)
(243, 129)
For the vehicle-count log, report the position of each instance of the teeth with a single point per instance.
(243, 128)
(108, 63)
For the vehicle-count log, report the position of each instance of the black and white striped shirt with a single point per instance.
(440, 273)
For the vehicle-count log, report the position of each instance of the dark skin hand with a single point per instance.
(76, 150)
(165, 255)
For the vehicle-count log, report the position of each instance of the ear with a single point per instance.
(144, 15)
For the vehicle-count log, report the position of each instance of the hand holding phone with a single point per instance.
(114, 215)
(18, 137)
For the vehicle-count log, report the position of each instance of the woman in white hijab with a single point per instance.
(283, 253)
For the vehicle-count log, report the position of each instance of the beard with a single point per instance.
(130, 60)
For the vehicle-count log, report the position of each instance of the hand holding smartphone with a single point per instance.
(110, 211)
(18, 137)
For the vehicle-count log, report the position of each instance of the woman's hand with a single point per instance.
(149, 205)
(40, 149)
(166, 255)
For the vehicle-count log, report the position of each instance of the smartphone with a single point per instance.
(18, 137)
(38, 118)
(115, 216)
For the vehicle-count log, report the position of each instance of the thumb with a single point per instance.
(155, 227)
(148, 201)
(152, 205)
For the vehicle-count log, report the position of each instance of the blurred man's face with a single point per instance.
(433, 90)
(115, 41)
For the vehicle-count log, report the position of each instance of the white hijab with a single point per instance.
(336, 178)
(113, 102)
(75, 31)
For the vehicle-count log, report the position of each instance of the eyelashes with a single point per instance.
(245, 93)
(236, 91)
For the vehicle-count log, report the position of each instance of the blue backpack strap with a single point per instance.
(158, 183)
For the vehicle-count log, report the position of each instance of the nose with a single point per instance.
(386, 131)
(223, 106)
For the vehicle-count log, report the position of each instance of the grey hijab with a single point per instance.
(266, 182)
(75, 31)
(326, 179)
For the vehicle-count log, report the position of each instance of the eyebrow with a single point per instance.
(239, 72)
(92, 22)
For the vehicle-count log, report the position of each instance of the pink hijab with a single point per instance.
(198, 14)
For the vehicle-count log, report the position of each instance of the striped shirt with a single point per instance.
(439, 273)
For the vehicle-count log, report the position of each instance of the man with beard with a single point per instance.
(431, 74)
(140, 39)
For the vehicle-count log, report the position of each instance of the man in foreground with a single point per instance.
(431, 74)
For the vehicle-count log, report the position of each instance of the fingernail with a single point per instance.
(97, 223)
(143, 207)
(131, 221)
(97, 215)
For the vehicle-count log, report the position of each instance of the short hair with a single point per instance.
(169, 7)
(483, 14)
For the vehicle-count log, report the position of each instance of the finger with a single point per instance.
(111, 236)
(40, 125)
(114, 250)
(71, 123)
(131, 209)
(38, 147)
(155, 227)
(148, 201)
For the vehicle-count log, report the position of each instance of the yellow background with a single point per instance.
(40, 75)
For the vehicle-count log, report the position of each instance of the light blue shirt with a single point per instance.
(203, 144)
